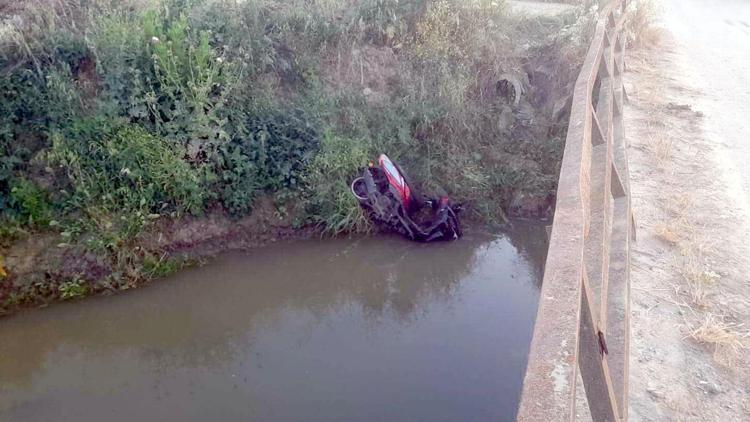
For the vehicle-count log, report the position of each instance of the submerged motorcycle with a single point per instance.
(391, 202)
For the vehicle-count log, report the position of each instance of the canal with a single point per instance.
(366, 329)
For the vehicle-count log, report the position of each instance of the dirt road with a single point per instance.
(689, 131)
(714, 38)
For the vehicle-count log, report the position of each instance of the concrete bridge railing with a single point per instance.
(583, 324)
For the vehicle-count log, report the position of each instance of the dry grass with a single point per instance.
(699, 280)
(641, 26)
(669, 232)
(661, 147)
(679, 227)
(681, 204)
(726, 338)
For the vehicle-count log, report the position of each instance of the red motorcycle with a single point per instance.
(391, 202)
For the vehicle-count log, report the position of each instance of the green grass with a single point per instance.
(330, 202)
(121, 177)
(72, 289)
(160, 266)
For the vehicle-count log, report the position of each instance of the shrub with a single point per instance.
(190, 82)
(72, 289)
(121, 176)
(161, 73)
(387, 22)
(240, 30)
(119, 46)
(160, 266)
(270, 153)
(30, 105)
(38, 93)
(330, 202)
(641, 23)
(31, 203)
(239, 178)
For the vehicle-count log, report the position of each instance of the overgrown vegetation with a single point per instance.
(117, 114)
(641, 26)
(119, 177)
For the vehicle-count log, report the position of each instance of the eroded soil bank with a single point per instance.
(40, 266)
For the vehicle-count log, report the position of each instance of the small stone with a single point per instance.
(654, 393)
(713, 388)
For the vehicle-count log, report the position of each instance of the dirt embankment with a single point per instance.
(38, 266)
(690, 308)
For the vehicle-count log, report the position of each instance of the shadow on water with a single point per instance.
(354, 329)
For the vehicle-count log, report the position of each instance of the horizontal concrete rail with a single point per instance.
(583, 327)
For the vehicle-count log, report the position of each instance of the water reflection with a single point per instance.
(530, 241)
(332, 330)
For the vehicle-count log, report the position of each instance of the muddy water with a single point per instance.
(334, 330)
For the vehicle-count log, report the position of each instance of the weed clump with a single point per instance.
(72, 289)
(725, 337)
(331, 203)
(119, 177)
(269, 154)
(642, 27)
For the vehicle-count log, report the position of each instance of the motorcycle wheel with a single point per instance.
(357, 186)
